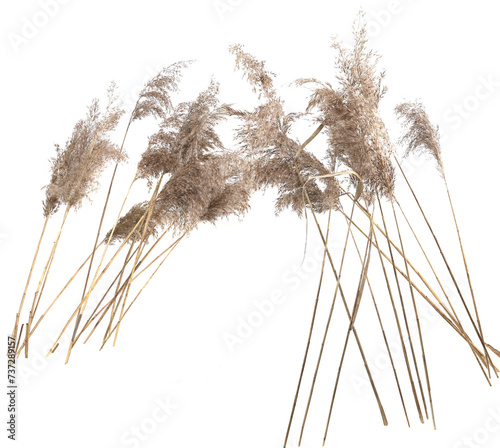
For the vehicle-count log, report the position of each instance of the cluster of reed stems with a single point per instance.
(193, 179)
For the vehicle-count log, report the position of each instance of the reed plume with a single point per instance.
(183, 150)
(421, 137)
(264, 137)
(357, 136)
(187, 133)
(76, 168)
(155, 98)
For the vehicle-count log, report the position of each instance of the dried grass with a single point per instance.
(76, 167)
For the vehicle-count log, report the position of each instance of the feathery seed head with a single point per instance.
(154, 99)
(357, 136)
(264, 139)
(76, 167)
(187, 134)
(420, 136)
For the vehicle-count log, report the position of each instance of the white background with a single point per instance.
(172, 347)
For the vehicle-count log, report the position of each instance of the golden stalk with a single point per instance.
(144, 286)
(383, 331)
(355, 309)
(94, 283)
(415, 308)
(405, 321)
(313, 320)
(45, 273)
(104, 212)
(448, 319)
(487, 356)
(58, 295)
(139, 252)
(327, 327)
(467, 271)
(14, 334)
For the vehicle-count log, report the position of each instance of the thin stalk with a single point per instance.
(403, 307)
(466, 268)
(121, 287)
(93, 285)
(415, 309)
(27, 337)
(142, 243)
(313, 320)
(447, 318)
(429, 263)
(144, 286)
(459, 324)
(383, 331)
(128, 257)
(57, 297)
(104, 211)
(494, 350)
(325, 334)
(487, 356)
(56, 343)
(355, 309)
(19, 338)
(45, 274)
(43, 286)
(14, 335)
(401, 253)
(337, 278)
